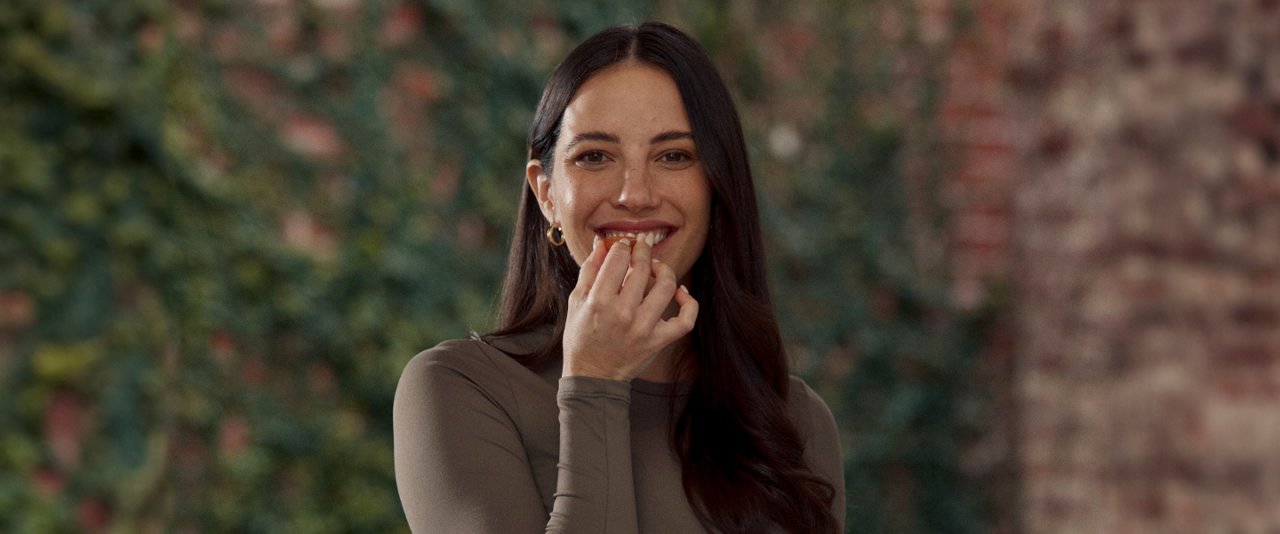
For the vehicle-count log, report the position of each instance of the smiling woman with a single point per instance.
(634, 387)
(628, 172)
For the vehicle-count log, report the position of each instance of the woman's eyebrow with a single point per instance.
(671, 135)
(590, 136)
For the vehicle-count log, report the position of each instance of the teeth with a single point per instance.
(652, 238)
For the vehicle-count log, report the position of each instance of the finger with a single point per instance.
(659, 297)
(590, 267)
(614, 268)
(652, 278)
(669, 330)
(638, 273)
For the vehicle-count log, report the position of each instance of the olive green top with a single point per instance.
(483, 444)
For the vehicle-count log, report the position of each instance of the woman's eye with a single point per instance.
(676, 158)
(592, 157)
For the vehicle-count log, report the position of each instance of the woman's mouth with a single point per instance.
(652, 237)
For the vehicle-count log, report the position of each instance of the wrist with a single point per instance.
(590, 371)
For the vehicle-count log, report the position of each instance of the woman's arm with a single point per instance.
(595, 491)
(822, 445)
(460, 462)
(461, 465)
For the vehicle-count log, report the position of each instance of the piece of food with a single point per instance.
(651, 238)
(611, 240)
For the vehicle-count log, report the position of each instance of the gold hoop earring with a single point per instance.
(555, 235)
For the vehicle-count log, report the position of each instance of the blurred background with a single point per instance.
(1027, 250)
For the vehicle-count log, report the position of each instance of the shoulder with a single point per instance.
(475, 359)
(478, 353)
(451, 366)
(808, 410)
(451, 382)
(461, 356)
(802, 398)
(470, 364)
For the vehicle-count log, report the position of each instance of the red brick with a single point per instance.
(1246, 355)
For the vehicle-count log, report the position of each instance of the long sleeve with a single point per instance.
(484, 445)
(462, 466)
(594, 490)
(822, 446)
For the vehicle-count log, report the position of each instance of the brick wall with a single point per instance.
(1146, 254)
(981, 130)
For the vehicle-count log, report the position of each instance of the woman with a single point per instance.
(635, 387)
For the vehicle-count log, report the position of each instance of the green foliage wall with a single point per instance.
(224, 228)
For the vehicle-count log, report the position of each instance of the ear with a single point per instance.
(540, 184)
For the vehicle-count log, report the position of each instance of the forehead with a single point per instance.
(629, 98)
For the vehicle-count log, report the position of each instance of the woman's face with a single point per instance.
(625, 163)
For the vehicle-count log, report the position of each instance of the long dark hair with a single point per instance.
(742, 458)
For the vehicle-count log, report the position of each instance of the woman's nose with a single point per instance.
(637, 192)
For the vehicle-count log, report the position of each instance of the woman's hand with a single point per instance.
(615, 329)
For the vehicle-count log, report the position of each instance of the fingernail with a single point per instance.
(685, 289)
(653, 260)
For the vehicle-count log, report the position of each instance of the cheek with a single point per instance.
(696, 205)
(573, 210)
(579, 197)
(699, 195)
(566, 200)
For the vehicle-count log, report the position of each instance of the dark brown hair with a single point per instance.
(742, 458)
